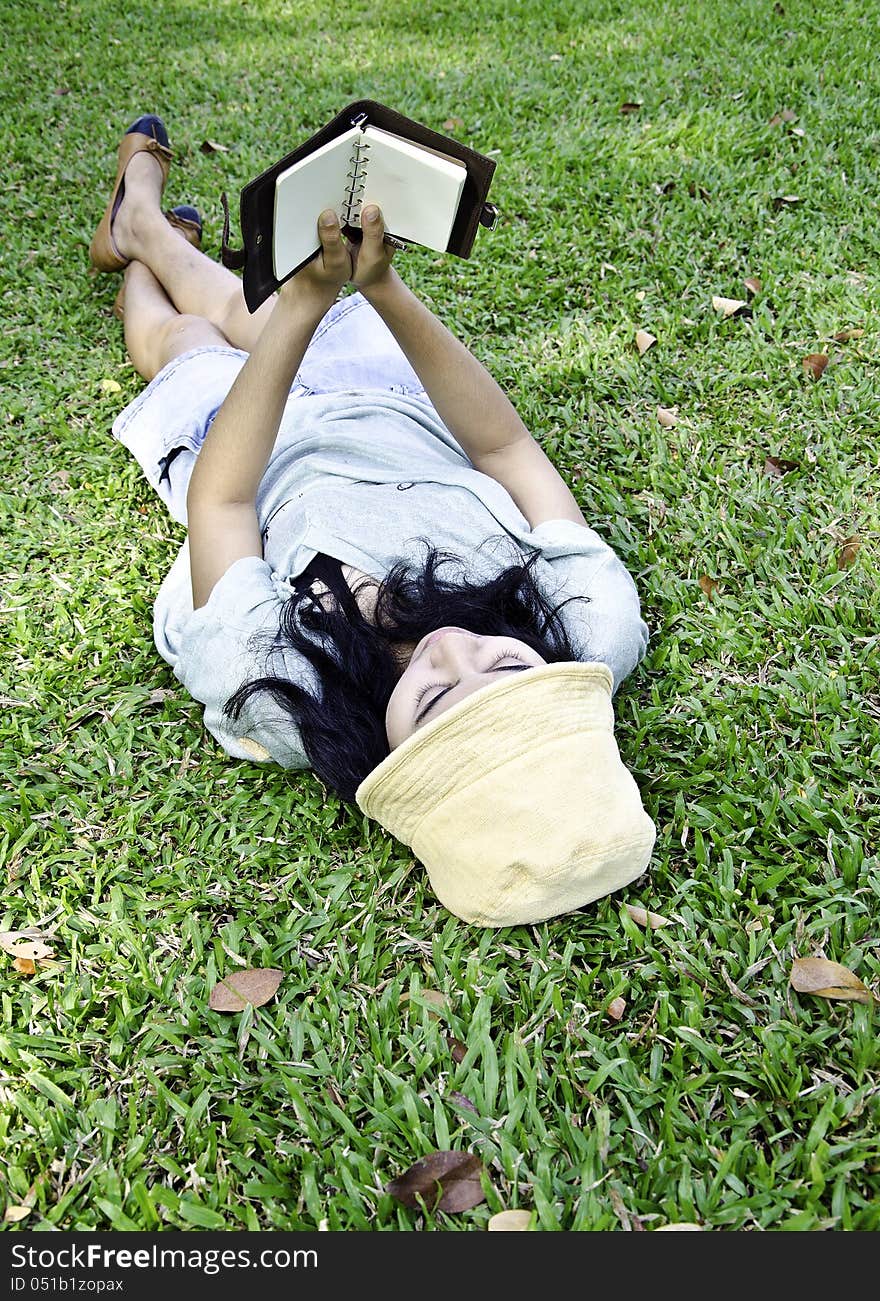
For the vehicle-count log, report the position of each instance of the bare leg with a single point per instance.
(155, 331)
(196, 286)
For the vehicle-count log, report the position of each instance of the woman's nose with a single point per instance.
(453, 649)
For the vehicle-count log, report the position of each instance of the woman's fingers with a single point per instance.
(372, 224)
(333, 247)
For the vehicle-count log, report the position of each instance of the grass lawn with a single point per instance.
(651, 157)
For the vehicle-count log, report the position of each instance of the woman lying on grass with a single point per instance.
(384, 578)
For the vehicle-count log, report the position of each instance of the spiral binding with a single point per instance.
(354, 195)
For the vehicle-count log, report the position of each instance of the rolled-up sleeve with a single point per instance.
(609, 625)
(223, 645)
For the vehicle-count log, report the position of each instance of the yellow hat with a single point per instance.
(516, 799)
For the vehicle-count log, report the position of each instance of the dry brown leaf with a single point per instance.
(463, 1101)
(815, 363)
(828, 979)
(457, 1048)
(642, 917)
(785, 116)
(452, 124)
(443, 1181)
(432, 996)
(644, 341)
(668, 416)
(731, 306)
(631, 106)
(848, 551)
(753, 284)
(509, 1222)
(786, 201)
(212, 147)
(25, 944)
(708, 586)
(256, 986)
(844, 336)
(616, 1009)
(15, 1214)
(776, 466)
(25, 966)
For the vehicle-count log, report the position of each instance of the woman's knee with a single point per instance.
(183, 332)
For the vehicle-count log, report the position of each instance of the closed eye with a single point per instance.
(502, 668)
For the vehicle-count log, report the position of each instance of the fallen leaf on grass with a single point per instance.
(844, 336)
(753, 284)
(786, 201)
(616, 1009)
(255, 986)
(452, 124)
(443, 1181)
(644, 341)
(25, 966)
(509, 1222)
(111, 386)
(785, 116)
(457, 1048)
(815, 363)
(731, 306)
(463, 1101)
(432, 996)
(631, 106)
(828, 979)
(668, 416)
(212, 147)
(14, 1214)
(709, 586)
(26, 944)
(849, 547)
(776, 466)
(682, 1226)
(642, 917)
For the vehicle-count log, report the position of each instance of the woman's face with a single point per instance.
(446, 666)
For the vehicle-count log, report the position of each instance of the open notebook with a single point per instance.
(432, 190)
(418, 190)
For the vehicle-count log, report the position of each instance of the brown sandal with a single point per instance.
(146, 135)
(183, 218)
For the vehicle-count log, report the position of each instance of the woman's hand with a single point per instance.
(371, 259)
(329, 269)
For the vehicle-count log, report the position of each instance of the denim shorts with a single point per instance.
(351, 350)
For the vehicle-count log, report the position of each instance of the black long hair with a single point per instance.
(343, 732)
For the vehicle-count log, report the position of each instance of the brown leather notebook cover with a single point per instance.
(257, 201)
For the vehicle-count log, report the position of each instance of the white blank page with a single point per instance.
(417, 189)
(302, 192)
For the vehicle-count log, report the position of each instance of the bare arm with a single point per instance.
(466, 397)
(222, 520)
